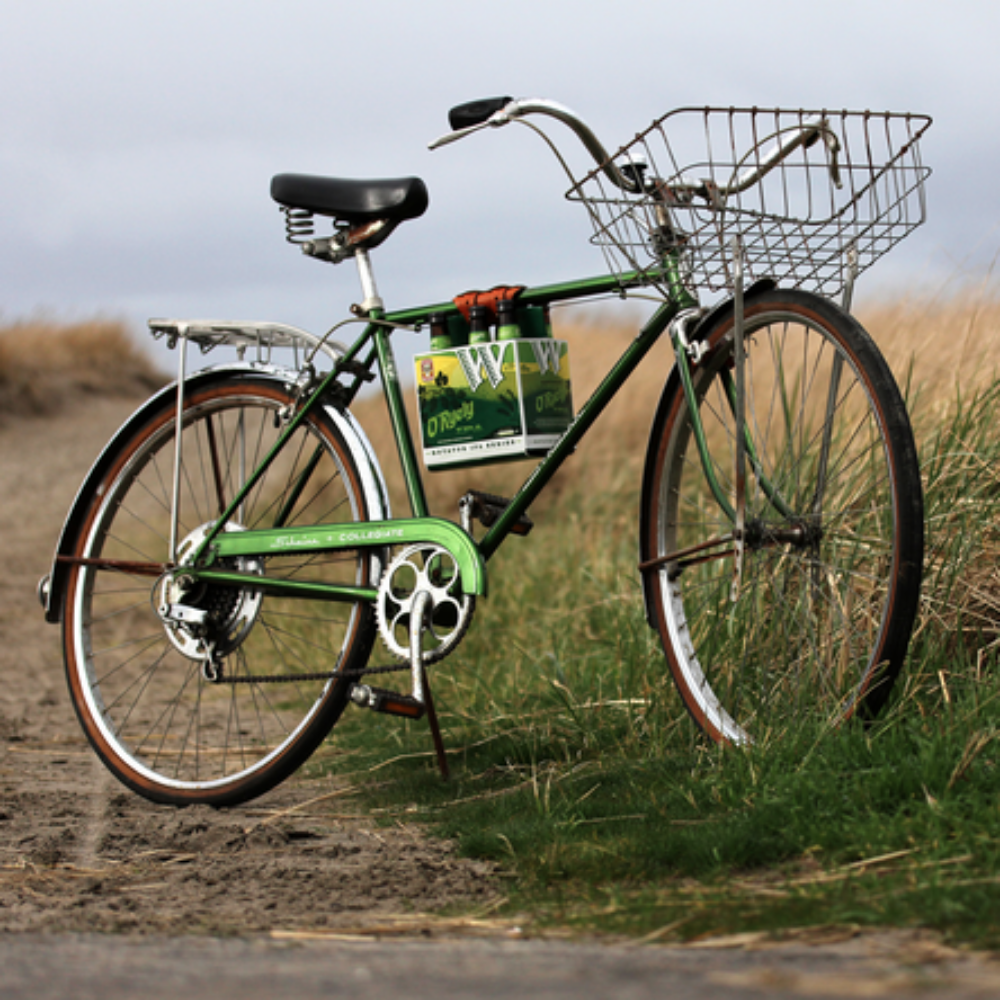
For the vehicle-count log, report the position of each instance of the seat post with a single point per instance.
(372, 298)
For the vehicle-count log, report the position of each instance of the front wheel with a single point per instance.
(173, 723)
(815, 617)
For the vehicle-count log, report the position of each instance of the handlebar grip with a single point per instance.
(475, 112)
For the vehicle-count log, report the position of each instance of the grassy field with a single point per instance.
(575, 767)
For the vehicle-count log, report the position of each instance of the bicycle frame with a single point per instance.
(779, 557)
(374, 346)
(374, 343)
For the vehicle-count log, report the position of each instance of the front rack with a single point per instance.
(850, 190)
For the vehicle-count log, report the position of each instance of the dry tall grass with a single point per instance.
(937, 350)
(945, 353)
(941, 346)
(949, 351)
(44, 364)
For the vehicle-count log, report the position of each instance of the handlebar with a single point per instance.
(497, 112)
(515, 109)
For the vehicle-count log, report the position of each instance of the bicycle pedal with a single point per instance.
(487, 508)
(387, 702)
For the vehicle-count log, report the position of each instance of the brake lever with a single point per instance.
(499, 118)
(455, 136)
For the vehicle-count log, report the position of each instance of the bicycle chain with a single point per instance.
(289, 678)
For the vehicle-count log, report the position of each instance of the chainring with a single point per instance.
(433, 569)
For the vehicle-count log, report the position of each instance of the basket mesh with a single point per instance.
(794, 224)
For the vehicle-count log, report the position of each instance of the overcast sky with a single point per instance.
(139, 137)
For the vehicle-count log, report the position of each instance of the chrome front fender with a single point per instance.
(52, 588)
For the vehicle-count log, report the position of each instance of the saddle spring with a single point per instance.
(298, 225)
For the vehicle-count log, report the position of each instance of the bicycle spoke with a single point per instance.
(818, 616)
(222, 709)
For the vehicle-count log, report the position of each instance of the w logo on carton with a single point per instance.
(482, 360)
(547, 354)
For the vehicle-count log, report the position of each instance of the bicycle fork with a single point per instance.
(736, 393)
(739, 353)
(746, 458)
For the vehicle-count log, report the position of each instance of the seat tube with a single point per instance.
(374, 308)
(400, 423)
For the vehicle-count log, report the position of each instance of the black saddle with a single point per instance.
(350, 200)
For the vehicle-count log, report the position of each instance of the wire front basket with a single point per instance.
(808, 195)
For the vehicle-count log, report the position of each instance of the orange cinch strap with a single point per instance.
(490, 298)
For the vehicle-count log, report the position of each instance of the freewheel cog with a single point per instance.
(207, 620)
(430, 569)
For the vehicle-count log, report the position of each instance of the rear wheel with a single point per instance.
(173, 723)
(818, 621)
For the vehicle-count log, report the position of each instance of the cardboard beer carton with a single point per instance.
(492, 402)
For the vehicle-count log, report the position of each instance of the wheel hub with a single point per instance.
(800, 534)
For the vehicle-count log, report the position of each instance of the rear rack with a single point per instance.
(262, 338)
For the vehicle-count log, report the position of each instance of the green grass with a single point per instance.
(576, 769)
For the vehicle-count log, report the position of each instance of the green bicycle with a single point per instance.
(231, 557)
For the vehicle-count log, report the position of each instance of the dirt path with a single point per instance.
(79, 852)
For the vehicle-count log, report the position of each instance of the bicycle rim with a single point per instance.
(171, 727)
(814, 620)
